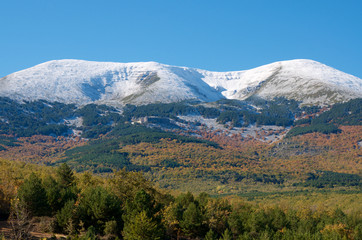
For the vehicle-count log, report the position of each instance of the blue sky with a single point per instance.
(213, 35)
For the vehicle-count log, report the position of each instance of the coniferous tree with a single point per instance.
(210, 235)
(141, 202)
(53, 192)
(33, 195)
(140, 218)
(66, 182)
(226, 235)
(65, 216)
(142, 227)
(235, 223)
(98, 206)
(65, 176)
(192, 220)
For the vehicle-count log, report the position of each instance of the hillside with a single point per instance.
(224, 147)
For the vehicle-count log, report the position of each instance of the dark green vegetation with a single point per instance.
(239, 113)
(322, 128)
(348, 113)
(7, 142)
(45, 118)
(278, 112)
(126, 206)
(323, 179)
(31, 118)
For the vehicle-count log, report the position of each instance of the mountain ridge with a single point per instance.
(83, 82)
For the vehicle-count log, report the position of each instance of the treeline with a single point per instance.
(47, 118)
(52, 118)
(274, 116)
(170, 110)
(348, 113)
(32, 118)
(321, 128)
(278, 111)
(230, 176)
(322, 179)
(7, 142)
(126, 206)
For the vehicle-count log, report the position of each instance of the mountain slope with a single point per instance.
(83, 82)
(303, 80)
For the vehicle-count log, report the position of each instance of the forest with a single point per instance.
(171, 178)
(44, 118)
(197, 160)
(124, 205)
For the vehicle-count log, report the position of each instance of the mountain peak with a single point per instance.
(82, 82)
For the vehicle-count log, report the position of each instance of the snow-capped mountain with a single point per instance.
(83, 82)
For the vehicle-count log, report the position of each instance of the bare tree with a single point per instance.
(20, 221)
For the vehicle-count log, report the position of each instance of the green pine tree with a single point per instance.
(33, 195)
(210, 235)
(192, 220)
(98, 206)
(227, 235)
(54, 197)
(142, 227)
(65, 215)
(65, 176)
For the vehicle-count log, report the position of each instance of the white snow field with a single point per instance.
(82, 82)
